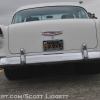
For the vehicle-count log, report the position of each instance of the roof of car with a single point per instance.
(49, 4)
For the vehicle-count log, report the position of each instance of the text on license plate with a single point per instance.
(51, 45)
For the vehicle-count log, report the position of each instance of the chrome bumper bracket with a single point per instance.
(84, 52)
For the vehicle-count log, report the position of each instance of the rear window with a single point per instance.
(50, 13)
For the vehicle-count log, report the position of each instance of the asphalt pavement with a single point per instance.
(52, 82)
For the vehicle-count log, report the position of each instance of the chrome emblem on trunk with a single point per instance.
(52, 33)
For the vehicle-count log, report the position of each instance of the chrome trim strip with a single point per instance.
(53, 58)
(10, 61)
(48, 58)
(94, 55)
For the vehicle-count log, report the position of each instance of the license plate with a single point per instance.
(52, 45)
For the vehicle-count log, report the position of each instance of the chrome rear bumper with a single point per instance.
(46, 58)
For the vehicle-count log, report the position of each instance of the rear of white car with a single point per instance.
(48, 33)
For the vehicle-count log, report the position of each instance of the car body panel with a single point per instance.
(48, 5)
(29, 35)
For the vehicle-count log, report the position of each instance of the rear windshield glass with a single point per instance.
(50, 13)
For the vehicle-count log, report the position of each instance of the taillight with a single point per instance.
(1, 38)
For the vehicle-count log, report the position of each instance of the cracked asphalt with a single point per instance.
(53, 80)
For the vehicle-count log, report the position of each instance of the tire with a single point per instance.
(18, 73)
(87, 68)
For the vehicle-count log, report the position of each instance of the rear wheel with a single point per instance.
(18, 73)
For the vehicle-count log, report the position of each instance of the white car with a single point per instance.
(48, 33)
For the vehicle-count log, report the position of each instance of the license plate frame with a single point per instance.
(53, 45)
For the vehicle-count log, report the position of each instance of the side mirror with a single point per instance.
(93, 15)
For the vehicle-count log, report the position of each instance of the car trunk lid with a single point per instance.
(75, 32)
